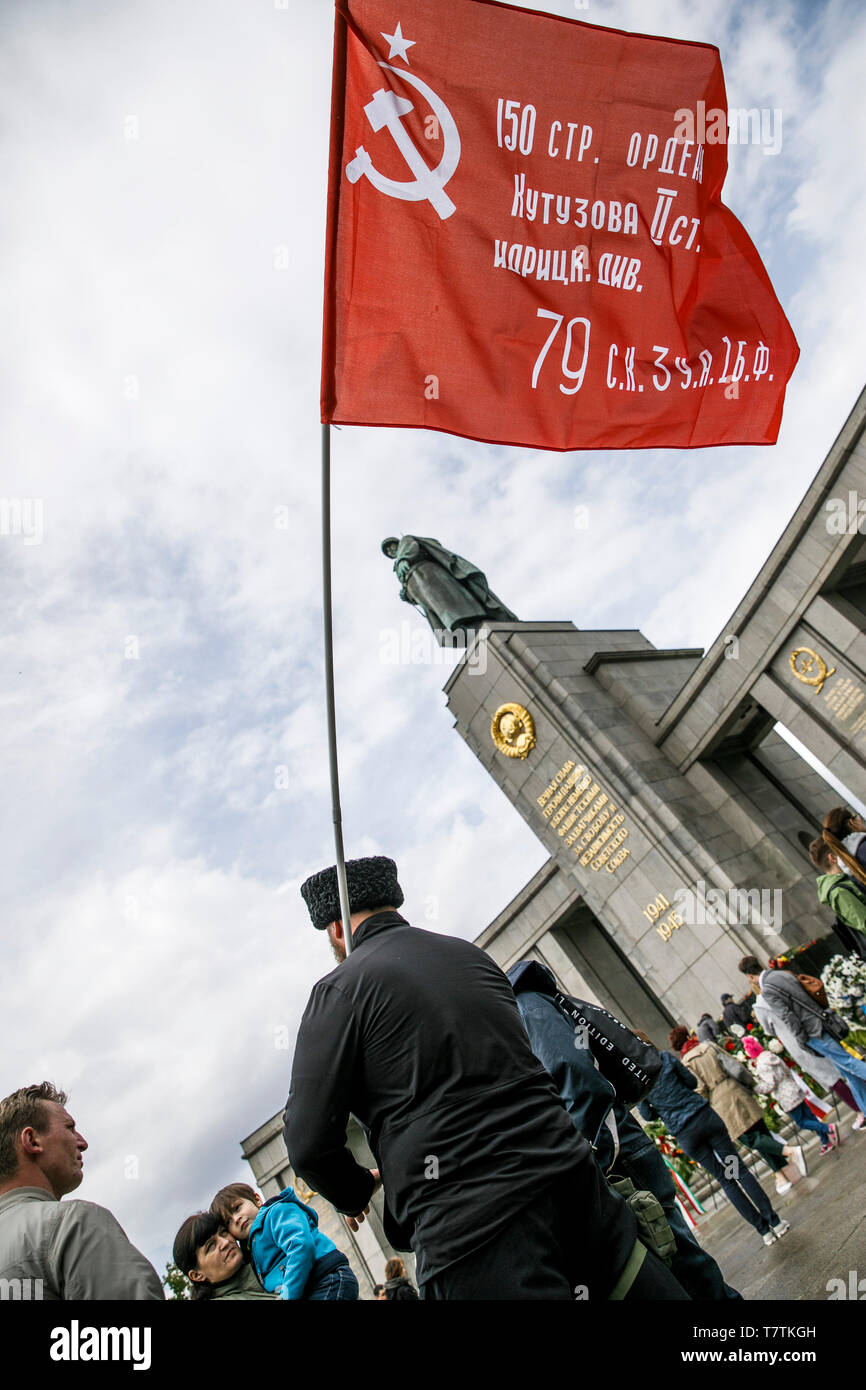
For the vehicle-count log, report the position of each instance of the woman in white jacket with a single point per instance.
(785, 1086)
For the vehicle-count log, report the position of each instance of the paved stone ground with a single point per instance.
(827, 1239)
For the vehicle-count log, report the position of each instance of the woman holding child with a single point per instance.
(213, 1261)
(245, 1247)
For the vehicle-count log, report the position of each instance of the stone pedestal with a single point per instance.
(667, 876)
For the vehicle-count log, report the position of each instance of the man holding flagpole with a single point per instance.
(418, 1036)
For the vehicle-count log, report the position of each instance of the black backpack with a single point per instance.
(631, 1066)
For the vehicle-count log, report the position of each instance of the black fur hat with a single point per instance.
(372, 883)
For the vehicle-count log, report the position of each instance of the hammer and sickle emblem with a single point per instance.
(811, 662)
(387, 110)
(513, 731)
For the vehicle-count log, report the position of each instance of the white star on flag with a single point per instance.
(398, 44)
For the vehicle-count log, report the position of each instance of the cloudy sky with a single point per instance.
(161, 249)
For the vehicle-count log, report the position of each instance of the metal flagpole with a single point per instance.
(336, 814)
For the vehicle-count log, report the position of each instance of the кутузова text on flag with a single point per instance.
(526, 238)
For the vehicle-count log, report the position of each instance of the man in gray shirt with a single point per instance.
(49, 1249)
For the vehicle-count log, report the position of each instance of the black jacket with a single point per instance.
(738, 1013)
(674, 1097)
(400, 1290)
(707, 1029)
(418, 1035)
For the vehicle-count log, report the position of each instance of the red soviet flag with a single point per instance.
(526, 239)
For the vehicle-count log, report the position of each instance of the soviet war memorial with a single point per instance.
(676, 813)
(434, 688)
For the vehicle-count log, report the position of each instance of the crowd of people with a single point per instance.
(707, 1099)
(501, 1117)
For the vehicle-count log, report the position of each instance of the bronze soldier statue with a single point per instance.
(451, 592)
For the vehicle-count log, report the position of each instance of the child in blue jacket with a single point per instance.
(288, 1251)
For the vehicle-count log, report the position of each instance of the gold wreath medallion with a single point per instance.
(513, 731)
(812, 670)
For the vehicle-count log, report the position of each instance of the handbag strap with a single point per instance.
(818, 1012)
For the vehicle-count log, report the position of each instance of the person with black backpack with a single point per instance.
(844, 894)
(601, 1069)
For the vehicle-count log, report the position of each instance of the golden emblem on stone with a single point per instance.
(513, 731)
(304, 1192)
(811, 669)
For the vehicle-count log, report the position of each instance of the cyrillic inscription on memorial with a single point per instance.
(844, 700)
(839, 695)
(585, 818)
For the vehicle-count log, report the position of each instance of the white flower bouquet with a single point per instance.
(844, 980)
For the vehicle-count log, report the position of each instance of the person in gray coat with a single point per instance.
(821, 1069)
(810, 1024)
(707, 1029)
(49, 1249)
